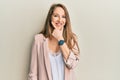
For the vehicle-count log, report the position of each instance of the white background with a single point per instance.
(96, 23)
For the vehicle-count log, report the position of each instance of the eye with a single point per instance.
(63, 16)
(55, 15)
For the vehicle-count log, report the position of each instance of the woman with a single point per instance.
(55, 50)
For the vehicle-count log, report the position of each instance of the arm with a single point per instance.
(71, 57)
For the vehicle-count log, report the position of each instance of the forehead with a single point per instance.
(59, 10)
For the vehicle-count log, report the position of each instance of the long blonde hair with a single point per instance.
(68, 35)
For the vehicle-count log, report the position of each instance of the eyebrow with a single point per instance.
(58, 14)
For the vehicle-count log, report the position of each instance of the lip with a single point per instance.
(59, 24)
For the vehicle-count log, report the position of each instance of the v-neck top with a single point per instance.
(57, 65)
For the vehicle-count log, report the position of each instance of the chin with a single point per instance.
(58, 27)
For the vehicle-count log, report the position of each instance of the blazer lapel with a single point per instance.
(47, 61)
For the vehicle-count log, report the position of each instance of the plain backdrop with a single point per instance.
(96, 23)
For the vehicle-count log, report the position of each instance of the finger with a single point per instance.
(62, 29)
(55, 31)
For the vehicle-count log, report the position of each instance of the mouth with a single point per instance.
(59, 24)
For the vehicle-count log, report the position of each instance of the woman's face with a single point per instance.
(58, 18)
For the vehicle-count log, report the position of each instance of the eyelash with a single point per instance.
(57, 16)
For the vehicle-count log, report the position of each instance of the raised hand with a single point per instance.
(58, 33)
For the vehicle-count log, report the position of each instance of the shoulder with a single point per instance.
(39, 37)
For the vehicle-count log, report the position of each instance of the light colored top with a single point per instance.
(40, 68)
(57, 65)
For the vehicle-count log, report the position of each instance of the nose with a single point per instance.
(60, 19)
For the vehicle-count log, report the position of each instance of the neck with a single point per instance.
(53, 44)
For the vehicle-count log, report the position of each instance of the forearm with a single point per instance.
(64, 48)
(71, 57)
(65, 51)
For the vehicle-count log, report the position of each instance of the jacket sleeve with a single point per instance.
(34, 63)
(73, 58)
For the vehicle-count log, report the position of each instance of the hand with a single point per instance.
(58, 33)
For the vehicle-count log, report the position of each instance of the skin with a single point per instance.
(58, 22)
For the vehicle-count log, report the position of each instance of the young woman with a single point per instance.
(55, 50)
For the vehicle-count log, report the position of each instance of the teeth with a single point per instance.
(58, 23)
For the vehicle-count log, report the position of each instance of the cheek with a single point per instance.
(65, 21)
(54, 19)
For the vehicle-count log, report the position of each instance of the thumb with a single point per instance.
(62, 29)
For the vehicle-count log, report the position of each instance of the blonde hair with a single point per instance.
(68, 35)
